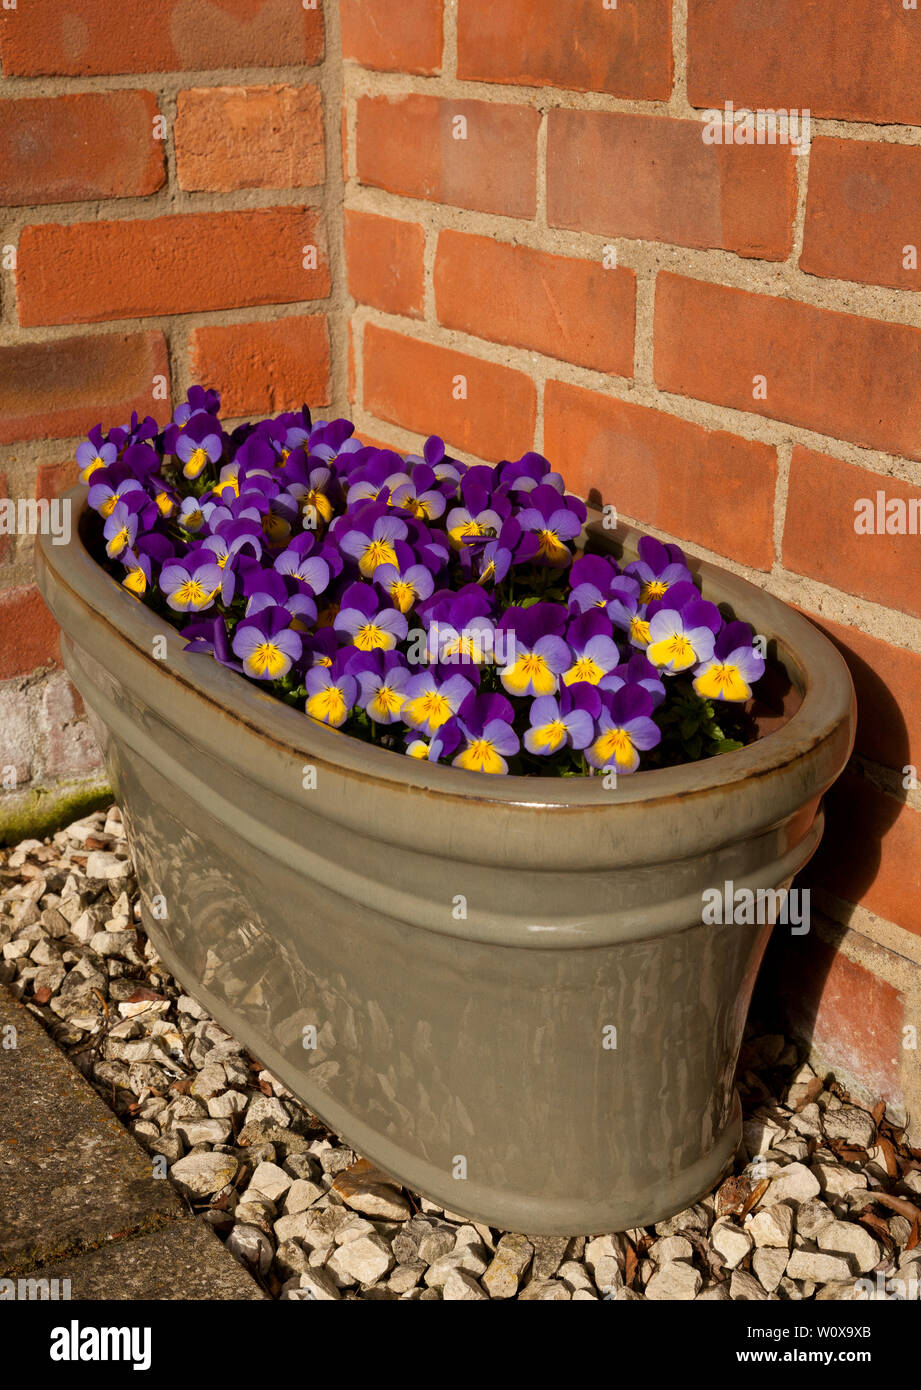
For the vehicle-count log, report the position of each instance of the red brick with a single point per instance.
(167, 265)
(384, 261)
(852, 1016)
(406, 37)
(871, 852)
(411, 383)
(626, 52)
(570, 309)
(30, 634)
(862, 210)
(669, 185)
(821, 541)
(249, 137)
(64, 387)
(847, 377)
(406, 145)
(53, 479)
(65, 149)
(704, 486)
(266, 367)
(858, 61)
(887, 680)
(83, 37)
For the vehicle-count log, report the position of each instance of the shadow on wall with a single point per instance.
(843, 1010)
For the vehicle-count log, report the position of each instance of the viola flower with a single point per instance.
(382, 679)
(120, 530)
(407, 588)
(95, 453)
(427, 546)
(190, 584)
(210, 636)
(476, 518)
(629, 614)
(191, 515)
(593, 648)
(485, 721)
(678, 641)
(528, 473)
(494, 558)
(658, 568)
(369, 625)
(371, 542)
(141, 564)
(636, 670)
(321, 648)
(166, 498)
(331, 694)
(266, 644)
(540, 654)
(623, 730)
(459, 631)
(108, 491)
(138, 573)
(595, 582)
(227, 487)
(441, 745)
(276, 525)
(734, 667)
(314, 497)
(417, 494)
(196, 454)
(309, 572)
(555, 520)
(430, 701)
(566, 722)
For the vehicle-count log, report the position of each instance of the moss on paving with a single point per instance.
(40, 811)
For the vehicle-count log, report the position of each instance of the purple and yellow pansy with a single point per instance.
(445, 611)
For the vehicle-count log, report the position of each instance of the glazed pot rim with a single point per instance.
(811, 659)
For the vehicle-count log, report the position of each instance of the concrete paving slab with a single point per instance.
(71, 1177)
(184, 1261)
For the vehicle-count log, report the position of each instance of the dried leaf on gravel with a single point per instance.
(631, 1264)
(890, 1157)
(814, 1088)
(732, 1195)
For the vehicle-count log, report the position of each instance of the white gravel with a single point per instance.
(797, 1219)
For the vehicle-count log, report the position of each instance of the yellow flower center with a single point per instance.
(550, 735)
(196, 462)
(584, 670)
(615, 745)
(371, 638)
(387, 701)
(192, 593)
(639, 630)
(135, 580)
(551, 547)
(377, 553)
(327, 705)
(403, 595)
(480, 756)
(266, 659)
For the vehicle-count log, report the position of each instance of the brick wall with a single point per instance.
(162, 169)
(525, 242)
(722, 340)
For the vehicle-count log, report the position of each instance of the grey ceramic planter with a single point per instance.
(465, 1054)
